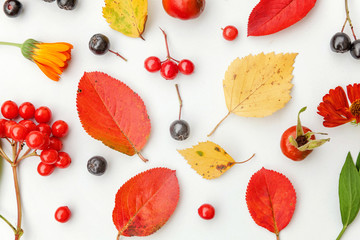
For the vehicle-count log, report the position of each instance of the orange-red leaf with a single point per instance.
(271, 16)
(112, 113)
(145, 202)
(271, 200)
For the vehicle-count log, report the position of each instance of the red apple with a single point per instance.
(184, 9)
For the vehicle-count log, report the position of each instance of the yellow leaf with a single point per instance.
(126, 16)
(258, 86)
(208, 159)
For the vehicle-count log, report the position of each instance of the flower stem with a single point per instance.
(11, 44)
(5, 220)
(180, 100)
(342, 232)
(348, 18)
(218, 124)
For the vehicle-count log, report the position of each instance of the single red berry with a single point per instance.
(49, 156)
(55, 143)
(230, 33)
(64, 160)
(62, 214)
(46, 143)
(43, 114)
(30, 125)
(44, 128)
(2, 127)
(18, 132)
(169, 70)
(26, 110)
(152, 64)
(186, 67)
(59, 128)
(206, 211)
(9, 110)
(45, 169)
(35, 139)
(7, 128)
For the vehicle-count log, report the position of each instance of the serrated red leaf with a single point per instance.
(111, 112)
(271, 200)
(145, 202)
(271, 16)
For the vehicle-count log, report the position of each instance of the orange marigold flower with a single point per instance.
(335, 106)
(51, 58)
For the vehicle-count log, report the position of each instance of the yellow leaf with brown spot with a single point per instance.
(126, 16)
(258, 86)
(208, 159)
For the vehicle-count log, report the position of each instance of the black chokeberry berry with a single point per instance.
(355, 49)
(12, 8)
(66, 4)
(179, 130)
(99, 44)
(97, 165)
(340, 42)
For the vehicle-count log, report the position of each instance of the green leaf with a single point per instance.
(349, 191)
(358, 162)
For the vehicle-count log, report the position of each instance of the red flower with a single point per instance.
(335, 106)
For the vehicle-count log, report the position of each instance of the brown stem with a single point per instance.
(180, 100)
(245, 160)
(342, 30)
(142, 37)
(19, 231)
(166, 43)
(277, 236)
(118, 236)
(348, 18)
(27, 154)
(142, 157)
(218, 124)
(117, 54)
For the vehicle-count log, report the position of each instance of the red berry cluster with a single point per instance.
(40, 136)
(170, 67)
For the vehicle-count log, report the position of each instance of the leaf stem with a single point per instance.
(245, 160)
(142, 157)
(180, 100)
(118, 236)
(5, 220)
(11, 44)
(342, 232)
(212, 132)
(117, 54)
(277, 236)
(348, 18)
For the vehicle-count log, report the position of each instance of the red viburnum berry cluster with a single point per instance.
(170, 67)
(35, 131)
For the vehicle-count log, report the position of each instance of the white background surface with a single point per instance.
(91, 198)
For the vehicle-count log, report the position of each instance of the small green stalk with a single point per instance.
(11, 44)
(342, 232)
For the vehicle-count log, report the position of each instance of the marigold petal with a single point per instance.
(59, 46)
(55, 59)
(63, 56)
(48, 72)
(49, 64)
(67, 55)
(353, 92)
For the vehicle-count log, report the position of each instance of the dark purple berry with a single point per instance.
(66, 4)
(12, 8)
(99, 44)
(340, 42)
(97, 165)
(355, 49)
(179, 130)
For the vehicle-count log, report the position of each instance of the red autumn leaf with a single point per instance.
(271, 200)
(145, 202)
(112, 113)
(271, 16)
